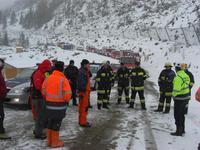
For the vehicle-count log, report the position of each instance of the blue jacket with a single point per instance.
(82, 79)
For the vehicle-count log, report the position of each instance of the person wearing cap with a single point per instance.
(181, 95)
(71, 72)
(3, 93)
(165, 82)
(83, 86)
(185, 67)
(103, 80)
(123, 82)
(137, 76)
(37, 79)
(57, 92)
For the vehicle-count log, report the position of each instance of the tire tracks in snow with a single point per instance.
(150, 142)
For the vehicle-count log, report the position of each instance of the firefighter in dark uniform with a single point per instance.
(138, 76)
(112, 80)
(165, 82)
(123, 83)
(185, 67)
(103, 79)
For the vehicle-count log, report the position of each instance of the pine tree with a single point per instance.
(1, 39)
(4, 22)
(5, 39)
(21, 19)
(22, 40)
(27, 42)
(13, 18)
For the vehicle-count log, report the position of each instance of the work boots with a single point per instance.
(160, 109)
(143, 106)
(105, 106)
(99, 106)
(179, 131)
(131, 105)
(118, 101)
(127, 101)
(55, 142)
(49, 137)
(167, 109)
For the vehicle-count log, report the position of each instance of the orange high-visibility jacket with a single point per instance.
(56, 88)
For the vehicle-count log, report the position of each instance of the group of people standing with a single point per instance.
(177, 85)
(105, 80)
(53, 85)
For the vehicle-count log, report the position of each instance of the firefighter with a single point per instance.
(71, 72)
(3, 93)
(181, 95)
(123, 83)
(57, 92)
(84, 92)
(185, 67)
(37, 79)
(137, 76)
(165, 82)
(112, 80)
(103, 80)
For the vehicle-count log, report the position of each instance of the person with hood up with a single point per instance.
(37, 80)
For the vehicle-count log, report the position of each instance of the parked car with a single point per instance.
(94, 67)
(19, 88)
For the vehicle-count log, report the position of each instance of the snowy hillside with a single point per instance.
(34, 56)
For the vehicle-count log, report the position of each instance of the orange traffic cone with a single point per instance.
(55, 142)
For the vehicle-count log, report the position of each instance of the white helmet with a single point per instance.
(168, 64)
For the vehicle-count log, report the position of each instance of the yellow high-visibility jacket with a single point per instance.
(181, 89)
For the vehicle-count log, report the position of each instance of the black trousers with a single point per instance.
(179, 112)
(122, 89)
(164, 100)
(73, 88)
(54, 124)
(40, 120)
(2, 130)
(134, 92)
(102, 98)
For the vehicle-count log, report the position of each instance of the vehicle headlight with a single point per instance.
(16, 99)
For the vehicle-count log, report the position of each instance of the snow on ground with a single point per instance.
(34, 56)
(119, 128)
(116, 129)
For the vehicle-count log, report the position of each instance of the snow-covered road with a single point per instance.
(119, 128)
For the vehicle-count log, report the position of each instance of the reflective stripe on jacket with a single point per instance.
(56, 88)
(181, 87)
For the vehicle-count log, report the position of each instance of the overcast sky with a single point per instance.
(6, 3)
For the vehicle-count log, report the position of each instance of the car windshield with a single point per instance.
(25, 74)
(94, 69)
